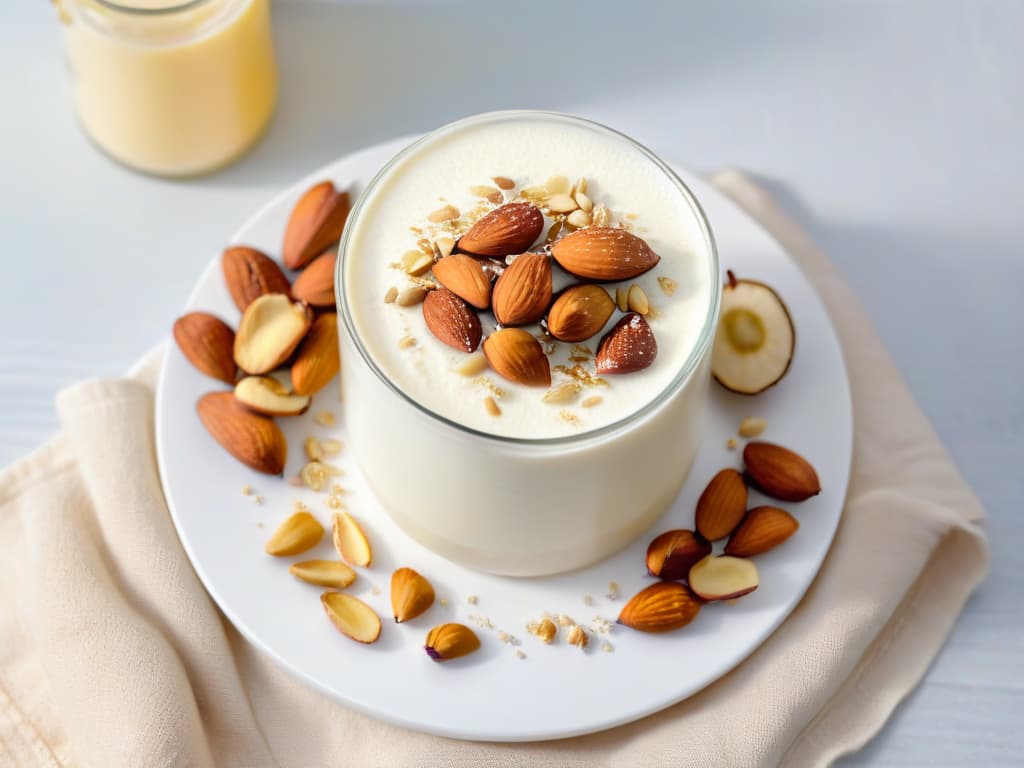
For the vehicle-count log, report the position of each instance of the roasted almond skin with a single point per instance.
(763, 528)
(779, 472)
(451, 321)
(671, 554)
(517, 356)
(411, 594)
(254, 440)
(722, 504)
(317, 360)
(661, 607)
(604, 253)
(315, 223)
(249, 274)
(208, 343)
(629, 346)
(464, 276)
(523, 292)
(507, 230)
(580, 312)
(315, 285)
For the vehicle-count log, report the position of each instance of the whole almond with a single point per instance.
(463, 276)
(254, 440)
(450, 641)
(207, 342)
(580, 312)
(317, 360)
(661, 607)
(315, 285)
(269, 331)
(763, 528)
(629, 346)
(517, 356)
(604, 253)
(451, 321)
(779, 472)
(411, 594)
(523, 292)
(671, 554)
(509, 229)
(249, 274)
(315, 223)
(720, 508)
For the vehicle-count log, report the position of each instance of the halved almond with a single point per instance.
(411, 594)
(317, 360)
(254, 440)
(507, 230)
(517, 356)
(352, 617)
(315, 223)
(350, 541)
(298, 533)
(271, 328)
(661, 607)
(315, 285)
(463, 276)
(523, 292)
(604, 253)
(323, 573)
(723, 577)
(207, 342)
(266, 395)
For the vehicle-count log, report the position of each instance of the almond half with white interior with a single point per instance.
(317, 360)
(510, 229)
(254, 440)
(517, 356)
(266, 395)
(723, 577)
(350, 541)
(271, 328)
(604, 253)
(315, 223)
(523, 292)
(351, 616)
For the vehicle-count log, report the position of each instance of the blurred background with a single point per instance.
(892, 132)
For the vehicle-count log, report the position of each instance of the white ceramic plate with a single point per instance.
(555, 691)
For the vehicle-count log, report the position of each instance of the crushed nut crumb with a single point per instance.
(492, 406)
(391, 295)
(503, 636)
(481, 621)
(472, 599)
(546, 630)
(324, 419)
(375, 590)
(443, 601)
(314, 451)
(607, 647)
(565, 621)
(602, 625)
(520, 654)
(731, 443)
(247, 490)
(406, 342)
(474, 365)
(333, 502)
(447, 213)
(613, 591)
(590, 402)
(503, 182)
(668, 285)
(331, 447)
(577, 636)
(582, 375)
(569, 417)
(588, 600)
(258, 499)
(490, 386)
(752, 426)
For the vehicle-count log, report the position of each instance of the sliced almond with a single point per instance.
(474, 365)
(323, 573)
(317, 360)
(352, 617)
(295, 535)
(584, 202)
(561, 203)
(622, 298)
(270, 329)
(207, 342)
(266, 395)
(416, 263)
(411, 296)
(723, 577)
(350, 541)
(578, 219)
(557, 185)
(315, 223)
(411, 594)
(444, 245)
(563, 394)
(637, 300)
(254, 440)
(517, 356)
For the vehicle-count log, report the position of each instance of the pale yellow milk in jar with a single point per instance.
(169, 87)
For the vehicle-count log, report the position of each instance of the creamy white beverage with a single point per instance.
(528, 152)
(526, 414)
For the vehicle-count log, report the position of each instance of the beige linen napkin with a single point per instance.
(112, 654)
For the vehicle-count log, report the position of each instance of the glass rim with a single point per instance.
(689, 365)
(173, 7)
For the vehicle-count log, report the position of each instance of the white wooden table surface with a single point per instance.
(892, 131)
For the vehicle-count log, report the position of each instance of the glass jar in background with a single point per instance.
(171, 87)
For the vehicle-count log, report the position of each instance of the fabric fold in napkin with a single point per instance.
(113, 654)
